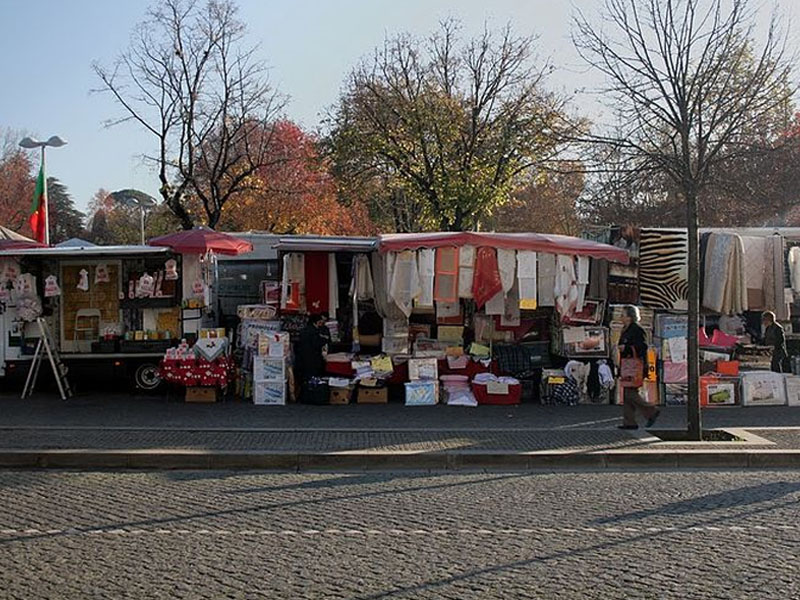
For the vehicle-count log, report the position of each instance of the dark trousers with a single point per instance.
(633, 400)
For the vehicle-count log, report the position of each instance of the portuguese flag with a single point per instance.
(38, 218)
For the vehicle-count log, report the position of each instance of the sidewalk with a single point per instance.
(122, 431)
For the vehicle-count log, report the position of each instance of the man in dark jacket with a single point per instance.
(775, 338)
(633, 344)
(309, 355)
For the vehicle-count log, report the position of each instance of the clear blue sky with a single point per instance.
(47, 48)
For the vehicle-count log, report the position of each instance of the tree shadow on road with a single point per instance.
(744, 496)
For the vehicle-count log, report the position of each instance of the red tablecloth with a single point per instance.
(198, 372)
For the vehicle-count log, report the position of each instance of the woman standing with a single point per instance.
(633, 344)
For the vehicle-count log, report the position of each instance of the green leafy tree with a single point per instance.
(433, 133)
(66, 221)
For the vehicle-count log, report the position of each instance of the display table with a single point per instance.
(198, 372)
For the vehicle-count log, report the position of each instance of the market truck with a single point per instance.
(116, 308)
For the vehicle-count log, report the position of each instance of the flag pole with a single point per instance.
(44, 199)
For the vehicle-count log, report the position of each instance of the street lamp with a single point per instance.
(54, 142)
(135, 199)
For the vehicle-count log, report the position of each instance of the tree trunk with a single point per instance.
(693, 415)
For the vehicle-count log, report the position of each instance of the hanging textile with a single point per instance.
(405, 281)
(316, 276)
(598, 279)
(363, 285)
(486, 280)
(446, 278)
(385, 307)
(546, 281)
(582, 280)
(754, 254)
(526, 272)
(781, 305)
(466, 271)
(496, 305)
(725, 288)
(294, 275)
(507, 263)
(426, 259)
(511, 315)
(794, 268)
(566, 288)
(333, 286)
(664, 268)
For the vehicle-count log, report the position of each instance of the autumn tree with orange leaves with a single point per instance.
(294, 193)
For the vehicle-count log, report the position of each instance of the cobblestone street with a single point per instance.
(369, 536)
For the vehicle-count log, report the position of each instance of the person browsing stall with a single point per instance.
(633, 344)
(775, 337)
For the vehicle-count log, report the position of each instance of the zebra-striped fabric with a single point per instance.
(663, 268)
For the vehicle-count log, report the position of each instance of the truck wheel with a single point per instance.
(146, 377)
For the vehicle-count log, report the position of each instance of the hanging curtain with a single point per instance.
(333, 286)
(582, 280)
(316, 274)
(405, 281)
(362, 285)
(385, 307)
(293, 291)
(486, 282)
(546, 281)
(507, 263)
(466, 271)
(566, 288)
(445, 287)
(426, 262)
(526, 272)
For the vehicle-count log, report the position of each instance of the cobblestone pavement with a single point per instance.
(114, 410)
(681, 535)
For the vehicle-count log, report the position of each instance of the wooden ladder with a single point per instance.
(46, 345)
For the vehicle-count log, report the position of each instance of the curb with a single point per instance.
(377, 461)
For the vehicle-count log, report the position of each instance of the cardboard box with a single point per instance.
(422, 393)
(423, 368)
(719, 391)
(763, 388)
(269, 393)
(367, 395)
(201, 394)
(340, 395)
(792, 390)
(269, 368)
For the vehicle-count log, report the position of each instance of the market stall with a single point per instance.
(119, 305)
(462, 318)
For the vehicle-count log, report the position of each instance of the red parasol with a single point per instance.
(202, 239)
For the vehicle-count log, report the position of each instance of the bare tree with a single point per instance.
(447, 124)
(687, 87)
(189, 80)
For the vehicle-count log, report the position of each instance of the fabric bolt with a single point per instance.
(316, 276)
(546, 280)
(426, 261)
(445, 287)
(405, 287)
(794, 268)
(486, 281)
(526, 276)
(466, 271)
(507, 263)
